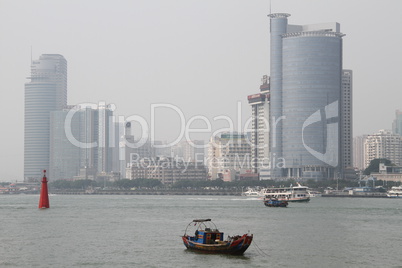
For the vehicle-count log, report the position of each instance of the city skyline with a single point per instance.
(214, 52)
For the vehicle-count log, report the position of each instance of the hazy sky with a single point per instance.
(202, 57)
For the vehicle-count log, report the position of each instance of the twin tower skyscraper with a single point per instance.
(305, 104)
(310, 120)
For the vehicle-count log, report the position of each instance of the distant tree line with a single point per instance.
(78, 184)
(121, 184)
(374, 165)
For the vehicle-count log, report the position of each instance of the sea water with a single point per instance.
(144, 231)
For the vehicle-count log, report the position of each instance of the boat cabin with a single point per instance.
(205, 232)
(208, 236)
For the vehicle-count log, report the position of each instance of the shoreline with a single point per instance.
(181, 192)
(357, 195)
(147, 192)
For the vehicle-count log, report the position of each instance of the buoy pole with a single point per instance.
(44, 196)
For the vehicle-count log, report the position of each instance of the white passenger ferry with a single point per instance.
(395, 192)
(291, 194)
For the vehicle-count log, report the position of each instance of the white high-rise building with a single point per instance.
(260, 129)
(383, 144)
(358, 152)
(46, 92)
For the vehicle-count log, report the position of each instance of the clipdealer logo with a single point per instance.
(330, 156)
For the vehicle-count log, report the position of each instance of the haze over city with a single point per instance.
(201, 57)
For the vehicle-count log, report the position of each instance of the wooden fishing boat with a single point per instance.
(208, 239)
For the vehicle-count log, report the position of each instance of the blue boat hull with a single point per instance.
(275, 203)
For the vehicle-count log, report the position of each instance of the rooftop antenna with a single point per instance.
(270, 7)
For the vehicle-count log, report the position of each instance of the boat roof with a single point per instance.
(288, 187)
(206, 225)
(201, 220)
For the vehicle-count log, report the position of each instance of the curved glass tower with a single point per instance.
(46, 92)
(306, 82)
(312, 72)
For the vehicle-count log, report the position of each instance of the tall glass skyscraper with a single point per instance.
(46, 92)
(306, 82)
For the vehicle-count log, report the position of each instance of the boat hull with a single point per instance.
(394, 196)
(235, 247)
(276, 203)
(291, 199)
(299, 199)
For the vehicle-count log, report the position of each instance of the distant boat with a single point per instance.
(290, 194)
(275, 203)
(314, 193)
(252, 193)
(208, 239)
(395, 192)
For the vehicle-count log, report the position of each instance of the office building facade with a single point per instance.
(106, 141)
(167, 170)
(346, 122)
(65, 157)
(229, 153)
(260, 129)
(383, 144)
(305, 104)
(46, 92)
(397, 123)
(358, 152)
(81, 143)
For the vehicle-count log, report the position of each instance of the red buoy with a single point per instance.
(44, 196)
